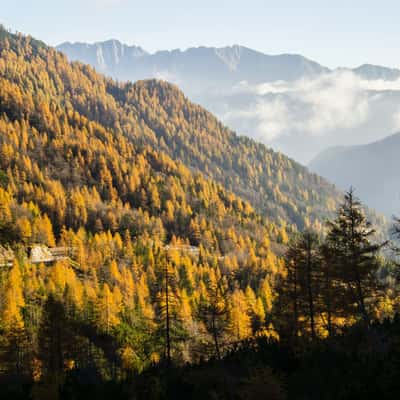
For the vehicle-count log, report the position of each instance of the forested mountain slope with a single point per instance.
(64, 146)
(274, 184)
(80, 169)
(158, 114)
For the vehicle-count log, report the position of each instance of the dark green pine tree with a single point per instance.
(354, 256)
(396, 248)
(287, 307)
(308, 247)
(333, 304)
(300, 291)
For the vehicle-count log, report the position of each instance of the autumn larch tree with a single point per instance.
(214, 313)
(170, 327)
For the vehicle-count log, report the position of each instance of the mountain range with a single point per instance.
(289, 102)
(225, 65)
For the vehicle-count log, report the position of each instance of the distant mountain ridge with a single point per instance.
(104, 56)
(373, 169)
(371, 72)
(231, 64)
(241, 63)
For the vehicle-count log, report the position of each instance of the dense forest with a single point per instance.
(145, 248)
(157, 115)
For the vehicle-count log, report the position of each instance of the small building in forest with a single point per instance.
(35, 254)
(43, 254)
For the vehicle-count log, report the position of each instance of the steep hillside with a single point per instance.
(72, 149)
(157, 114)
(372, 169)
(275, 185)
(101, 231)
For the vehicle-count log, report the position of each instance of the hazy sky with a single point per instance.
(331, 32)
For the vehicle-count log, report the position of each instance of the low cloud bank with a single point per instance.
(313, 107)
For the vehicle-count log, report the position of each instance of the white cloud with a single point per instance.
(272, 118)
(335, 101)
(313, 107)
(380, 85)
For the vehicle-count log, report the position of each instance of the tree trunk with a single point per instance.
(309, 289)
(295, 311)
(215, 335)
(168, 339)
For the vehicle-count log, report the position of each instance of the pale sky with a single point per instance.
(334, 33)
